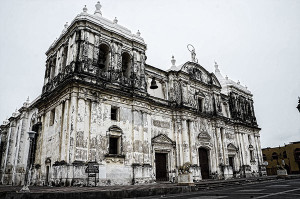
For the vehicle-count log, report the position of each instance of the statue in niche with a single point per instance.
(197, 74)
(206, 104)
(191, 98)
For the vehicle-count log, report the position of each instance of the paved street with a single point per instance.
(271, 189)
(263, 187)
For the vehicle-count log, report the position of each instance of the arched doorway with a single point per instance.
(204, 164)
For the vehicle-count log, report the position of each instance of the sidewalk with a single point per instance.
(130, 191)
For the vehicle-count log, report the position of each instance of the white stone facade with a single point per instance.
(97, 106)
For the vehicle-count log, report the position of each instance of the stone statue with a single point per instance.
(193, 53)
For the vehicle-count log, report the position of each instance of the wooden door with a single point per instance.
(47, 174)
(161, 166)
(203, 158)
(231, 161)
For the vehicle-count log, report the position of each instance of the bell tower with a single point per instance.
(97, 50)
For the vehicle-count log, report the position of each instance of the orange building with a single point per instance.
(287, 156)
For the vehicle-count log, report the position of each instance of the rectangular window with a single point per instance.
(251, 155)
(114, 113)
(200, 104)
(113, 145)
(52, 117)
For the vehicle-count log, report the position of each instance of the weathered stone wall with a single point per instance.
(86, 78)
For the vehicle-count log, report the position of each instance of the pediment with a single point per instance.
(231, 147)
(204, 136)
(162, 139)
(115, 128)
(196, 72)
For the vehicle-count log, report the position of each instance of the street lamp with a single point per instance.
(298, 107)
(25, 188)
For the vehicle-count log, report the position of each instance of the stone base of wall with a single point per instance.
(112, 174)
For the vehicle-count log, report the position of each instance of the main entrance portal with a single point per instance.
(203, 158)
(161, 166)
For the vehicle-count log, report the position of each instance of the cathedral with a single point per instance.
(103, 105)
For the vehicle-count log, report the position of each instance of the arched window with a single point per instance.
(52, 68)
(103, 58)
(126, 64)
(114, 141)
(275, 156)
(297, 154)
(65, 57)
(264, 157)
(284, 154)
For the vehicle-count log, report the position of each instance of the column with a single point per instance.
(179, 142)
(193, 153)
(185, 141)
(216, 148)
(64, 130)
(223, 146)
(72, 126)
(240, 160)
(220, 145)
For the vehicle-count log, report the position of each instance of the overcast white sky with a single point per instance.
(254, 41)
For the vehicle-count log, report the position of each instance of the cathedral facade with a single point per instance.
(102, 104)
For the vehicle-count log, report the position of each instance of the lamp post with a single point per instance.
(298, 107)
(25, 188)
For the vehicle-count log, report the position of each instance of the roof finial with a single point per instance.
(27, 99)
(85, 9)
(66, 25)
(226, 77)
(173, 60)
(138, 33)
(238, 82)
(98, 7)
(216, 67)
(115, 20)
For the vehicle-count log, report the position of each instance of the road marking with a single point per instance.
(209, 197)
(278, 193)
(279, 185)
(250, 190)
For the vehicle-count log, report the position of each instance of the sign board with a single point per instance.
(92, 170)
(91, 175)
